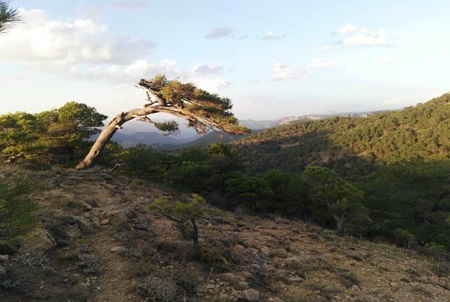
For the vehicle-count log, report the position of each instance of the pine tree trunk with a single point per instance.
(101, 141)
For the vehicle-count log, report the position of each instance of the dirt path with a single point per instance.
(113, 282)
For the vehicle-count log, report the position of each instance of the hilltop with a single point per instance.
(97, 240)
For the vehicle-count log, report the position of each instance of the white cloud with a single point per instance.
(130, 74)
(212, 85)
(254, 80)
(83, 40)
(131, 4)
(355, 36)
(405, 36)
(388, 61)
(321, 64)
(283, 72)
(366, 38)
(348, 28)
(204, 69)
(271, 36)
(76, 48)
(219, 32)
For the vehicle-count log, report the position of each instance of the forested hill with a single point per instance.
(354, 145)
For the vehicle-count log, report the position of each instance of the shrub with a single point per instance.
(16, 207)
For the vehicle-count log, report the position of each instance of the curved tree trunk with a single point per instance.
(102, 140)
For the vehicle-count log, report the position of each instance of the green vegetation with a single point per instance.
(16, 207)
(385, 176)
(354, 146)
(399, 159)
(50, 137)
(322, 175)
(332, 196)
(189, 209)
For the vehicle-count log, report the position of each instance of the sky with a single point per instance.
(273, 59)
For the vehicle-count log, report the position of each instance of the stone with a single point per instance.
(246, 274)
(4, 257)
(73, 231)
(241, 285)
(251, 295)
(39, 241)
(118, 249)
(104, 221)
(229, 276)
(265, 250)
(295, 279)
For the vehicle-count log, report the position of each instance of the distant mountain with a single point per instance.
(257, 125)
(135, 132)
(316, 117)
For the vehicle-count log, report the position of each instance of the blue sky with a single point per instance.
(271, 58)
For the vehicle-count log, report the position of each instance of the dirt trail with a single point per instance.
(113, 282)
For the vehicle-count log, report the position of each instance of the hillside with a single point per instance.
(97, 240)
(354, 144)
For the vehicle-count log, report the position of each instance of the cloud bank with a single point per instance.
(219, 32)
(84, 49)
(354, 36)
(283, 72)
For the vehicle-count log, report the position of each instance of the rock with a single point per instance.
(113, 213)
(246, 274)
(355, 287)
(251, 295)
(85, 225)
(73, 231)
(119, 249)
(295, 279)
(265, 250)
(229, 276)
(4, 257)
(104, 221)
(39, 241)
(292, 262)
(76, 204)
(241, 285)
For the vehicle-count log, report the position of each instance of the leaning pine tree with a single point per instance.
(203, 111)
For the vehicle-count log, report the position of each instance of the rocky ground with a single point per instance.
(98, 240)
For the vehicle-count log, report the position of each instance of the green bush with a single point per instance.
(16, 207)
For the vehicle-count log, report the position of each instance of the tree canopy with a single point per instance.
(202, 110)
(54, 133)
